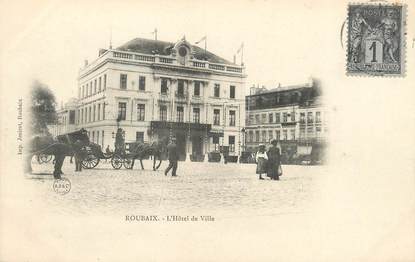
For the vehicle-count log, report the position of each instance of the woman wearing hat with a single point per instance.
(261, 160)
(274, 158)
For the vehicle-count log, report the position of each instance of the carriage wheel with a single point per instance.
(90, 162)
(128, 163)
(45, 158)
(116, 162)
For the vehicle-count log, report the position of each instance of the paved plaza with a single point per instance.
(228, 190)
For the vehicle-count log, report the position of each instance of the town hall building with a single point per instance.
(154, 89)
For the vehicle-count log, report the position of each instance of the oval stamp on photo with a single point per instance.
(376, 39)
(62, 186)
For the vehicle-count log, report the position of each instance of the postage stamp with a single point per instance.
(376, 40)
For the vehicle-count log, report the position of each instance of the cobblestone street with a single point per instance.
(230, 189)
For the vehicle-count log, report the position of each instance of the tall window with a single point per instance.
(196, 91)
(318, 117)
(302, 118)
(95, 86)
(102, 140)
(285, 134)
(141, 112)
(163, 113)
(231, 143)
(122, 110)
(180, 114)
(93, 115)
(180, 87)
(302, 132)
(310, 117)
(196, 115)
(257, 120)
(216, 90)
(216, 117)
(292, 134)
(98, 137)
(284, 117)
(90, 88)
(105, 81)
(292, 116)
(103, 111)
(164, 86)
(264, 136)
(123, 81)
(142, 83)
(278, 117)
(270, 117)
(232, 91)
(99, 112)
(264, 118)
(232, 118)
(72, 117)
(93, 136)
(256, 136)
(278, 134)
(89, 114)
(86, 115)
(86, 90)
(139, 137)
(251, 136)
(270, 135)
(99, 84)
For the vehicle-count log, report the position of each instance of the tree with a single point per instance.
(43, 108)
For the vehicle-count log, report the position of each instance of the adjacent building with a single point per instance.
(294, 115)
(153, 89)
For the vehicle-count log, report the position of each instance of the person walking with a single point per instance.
(173, 157)
(274, 161)
(261, 160)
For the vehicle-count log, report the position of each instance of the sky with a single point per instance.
(49, 40)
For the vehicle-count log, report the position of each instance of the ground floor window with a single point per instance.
(231, 143)
(264, 136)
(102, 140)
(278, 134)
(180, 114)
(163, 113)
(292, 134)
(251, 136)
(285, 134)
(215, 141)
(257, 136)
(270, 136)
(139, 137)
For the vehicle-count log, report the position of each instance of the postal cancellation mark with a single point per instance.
(376, 40)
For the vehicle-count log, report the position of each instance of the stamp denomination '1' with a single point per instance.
(376, 39)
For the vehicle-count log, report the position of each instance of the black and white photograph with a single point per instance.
(207, 131)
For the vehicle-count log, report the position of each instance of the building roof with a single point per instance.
(148, 46)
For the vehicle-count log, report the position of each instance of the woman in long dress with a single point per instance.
(261, 160)
(274, 160)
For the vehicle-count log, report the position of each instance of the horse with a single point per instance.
(139, 150)
(60, 148)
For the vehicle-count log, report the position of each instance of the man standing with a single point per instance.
(173, 157)
(78, 155)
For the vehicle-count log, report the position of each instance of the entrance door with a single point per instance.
(197, 145)
(181, 145)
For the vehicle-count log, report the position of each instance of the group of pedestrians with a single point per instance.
(269, 162)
